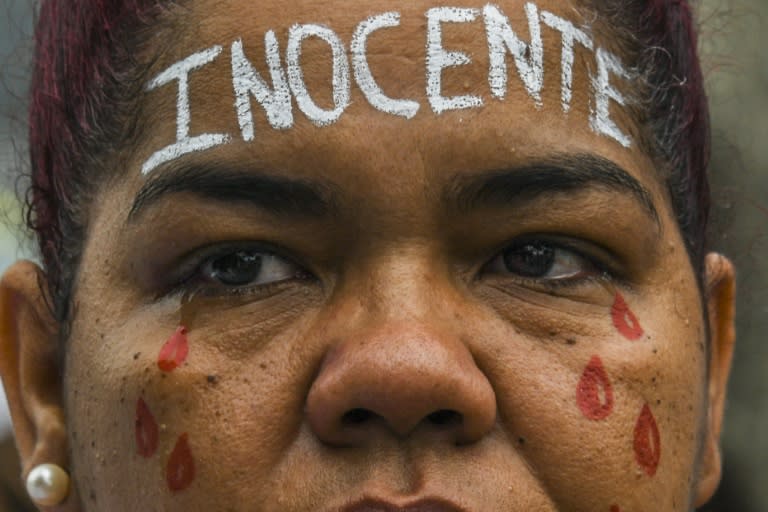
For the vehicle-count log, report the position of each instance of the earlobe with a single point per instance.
(30, 366)
(720, 290)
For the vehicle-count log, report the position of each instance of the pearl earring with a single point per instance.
(47, 484)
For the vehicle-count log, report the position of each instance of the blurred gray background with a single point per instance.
(735, 56)
(734, 51)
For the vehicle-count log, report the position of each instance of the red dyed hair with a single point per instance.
(680, 114)
(85, 98)
(661, 38)
(84, 70)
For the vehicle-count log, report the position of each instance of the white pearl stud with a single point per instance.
(47, 484)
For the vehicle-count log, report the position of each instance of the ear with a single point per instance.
(30, 366)
(720, 290)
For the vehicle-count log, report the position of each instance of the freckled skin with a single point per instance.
(401, 368)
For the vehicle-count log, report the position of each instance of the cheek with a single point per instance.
(182, 408)
(188, 429)
(136, 404)
(589, 411)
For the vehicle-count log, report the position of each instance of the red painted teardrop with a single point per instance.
(624, 320)
(146, 430)
(180, 471)
(588, 396)
(647, 441)
(174, 352)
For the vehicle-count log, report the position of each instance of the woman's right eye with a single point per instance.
(242, 268)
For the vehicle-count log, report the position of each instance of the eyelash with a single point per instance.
(192, 280)
(599, 271)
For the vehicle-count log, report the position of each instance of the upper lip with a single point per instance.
(419, 505)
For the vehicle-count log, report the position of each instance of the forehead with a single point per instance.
(510, 77)
(396, 50)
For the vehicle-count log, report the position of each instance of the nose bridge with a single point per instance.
(407, 281)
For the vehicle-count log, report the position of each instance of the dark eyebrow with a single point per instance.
(557, 174)
(275, 194)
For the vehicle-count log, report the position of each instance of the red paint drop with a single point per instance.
(615, 508)
(588, 398)
(180, 471)
(174, 351)
(146, 430)
(624, 320)
(647, 441)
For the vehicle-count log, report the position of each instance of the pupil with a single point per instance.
(529, 259)
(237, 268)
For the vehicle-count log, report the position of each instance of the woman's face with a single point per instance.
(445, 287)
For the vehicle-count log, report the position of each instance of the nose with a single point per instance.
(396, 381)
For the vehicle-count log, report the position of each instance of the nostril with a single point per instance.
(356, 416)
(445, 417)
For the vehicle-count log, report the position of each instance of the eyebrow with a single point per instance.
(276, 195)
(293, 197)
(553, 175)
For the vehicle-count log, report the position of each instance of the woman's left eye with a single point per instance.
(541, 260)
(247, 267)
